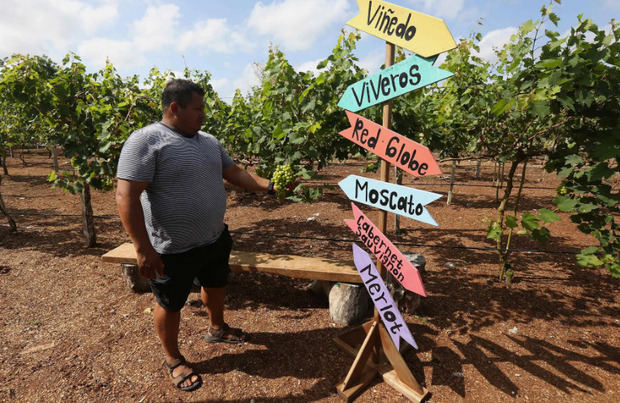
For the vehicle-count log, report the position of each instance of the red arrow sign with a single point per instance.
(398, 150)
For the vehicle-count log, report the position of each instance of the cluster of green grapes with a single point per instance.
(282, 178)
(562, 190)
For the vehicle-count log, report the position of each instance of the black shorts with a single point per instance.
(209, 264)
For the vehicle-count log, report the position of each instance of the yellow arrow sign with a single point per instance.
(420, 33)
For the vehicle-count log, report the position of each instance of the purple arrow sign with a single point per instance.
(392, 319)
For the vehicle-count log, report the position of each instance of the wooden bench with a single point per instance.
(312, 268)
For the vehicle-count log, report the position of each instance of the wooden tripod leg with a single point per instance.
(349, 394)
(398, 363)
(362, 356)
(360, 375)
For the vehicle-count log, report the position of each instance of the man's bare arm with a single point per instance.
(132, 217)
(242, 178)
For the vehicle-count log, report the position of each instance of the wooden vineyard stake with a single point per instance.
(377, 354)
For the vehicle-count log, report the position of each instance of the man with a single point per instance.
(171, 200)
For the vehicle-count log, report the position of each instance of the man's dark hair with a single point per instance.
(180, 91)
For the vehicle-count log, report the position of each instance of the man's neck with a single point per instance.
(170, 124)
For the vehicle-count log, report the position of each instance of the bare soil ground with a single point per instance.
(71, 330)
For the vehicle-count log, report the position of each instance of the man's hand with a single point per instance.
(150, 263)
(290, 189)
(285, 181)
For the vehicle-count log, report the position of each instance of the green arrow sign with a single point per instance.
(408, 75)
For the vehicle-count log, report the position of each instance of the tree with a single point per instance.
(457, 114)
(582, 74)
(24, 101)
(216, 110)
(563, 102)
(93, 116)
(520, 133)
(24, 106)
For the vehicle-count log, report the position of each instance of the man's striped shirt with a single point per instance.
(185, 201)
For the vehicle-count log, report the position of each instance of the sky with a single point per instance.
(227, 38)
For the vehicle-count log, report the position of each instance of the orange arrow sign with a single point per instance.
(420, 33)
(398, 150)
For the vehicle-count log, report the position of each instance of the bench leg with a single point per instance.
(134, 279)
(348, 303)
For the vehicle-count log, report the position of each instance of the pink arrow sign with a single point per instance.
(396, 149)
(385, 251)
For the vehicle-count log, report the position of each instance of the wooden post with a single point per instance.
(398, 179)
(385, 166)
(377, 345)
(450, 192)
(385, 177)
(55, 157)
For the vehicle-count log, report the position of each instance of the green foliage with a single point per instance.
(24, 100)
(216, 110)
(532, 225)
(535, 225)
(561, 100)
(585, 154)
(293, 117)
(92, 116)
(495, 231)
(456, 114)
(548, 94)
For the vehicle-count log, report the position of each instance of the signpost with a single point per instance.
(401, 78)
(402, 200)
(426, 36)
(420, 33)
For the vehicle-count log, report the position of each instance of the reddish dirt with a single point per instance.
(73, 331)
